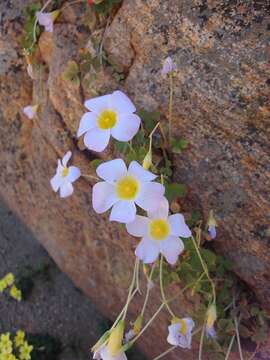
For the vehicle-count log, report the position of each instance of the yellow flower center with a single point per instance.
(127, 188)
(65, 172)
(159, 229)
(107, 119)
(183, 329)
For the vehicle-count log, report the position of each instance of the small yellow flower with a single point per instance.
(3, 285)
(25, 351)
(15, 293)
(9, 278)
(5, 344)
(19, 338)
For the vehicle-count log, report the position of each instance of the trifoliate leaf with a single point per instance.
(178, 145)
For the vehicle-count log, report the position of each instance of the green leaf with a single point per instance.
(71, 73)
(178, 145)
(95, 163)
(174, 191)
(149, 119)
(121, 146)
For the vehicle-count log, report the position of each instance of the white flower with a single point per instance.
(47, 19)
(65, 176)
(180, 332)
(160, 234)
(111, 114)
(104, 354)
(30, 111)
(168, 66)
(122, 188)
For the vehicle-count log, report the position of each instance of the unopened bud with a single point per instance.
(116, 338)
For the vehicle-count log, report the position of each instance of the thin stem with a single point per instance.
(161, 287)
(165, 353)
(138, 277)
(204, 266)
(148, 290)
(170, 106)
(201, 342)
(123, 310)
(131, 287)
(149, 323)
(238, 338)
(36, 21)
(230, 348)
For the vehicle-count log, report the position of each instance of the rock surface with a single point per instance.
(221, 93)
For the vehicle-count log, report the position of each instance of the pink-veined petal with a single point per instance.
(103, 197)
(138, 227)
(88, 122)
(122, 103)
(147, 250)
(98, 104)
(178, 226)
(150, 196)
(66, 190)
(112, 170)
(126, 127)
(171, 248)
(123, 212)
(96, 139)
(140, 173)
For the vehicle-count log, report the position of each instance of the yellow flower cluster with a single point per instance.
(18, 349)
(8, 282)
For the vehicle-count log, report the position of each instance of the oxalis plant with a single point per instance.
(138, 190)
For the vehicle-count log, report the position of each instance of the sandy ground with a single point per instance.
(54, 305)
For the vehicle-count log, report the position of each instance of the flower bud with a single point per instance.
(116, 338)
(147, 161)
(138, 324)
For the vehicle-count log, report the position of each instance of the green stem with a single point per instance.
(137, 261)
(165, 353)
(148, 324)
(201, 342)
(162, 288)
(147, 291)
(170, 106)
(204, 266)
(230, 348)
(238, 338)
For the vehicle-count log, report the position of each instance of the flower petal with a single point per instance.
(97, 139)
(66, 190)
(66, 158)
(103, 197)
(98, 104)
(173, 336)
(150, 196)
(106, 355)
(140, 173)
(162, 211)
(126, 127)
(171, 248)
(112, 170)
(88, 122)
(123, 212)
(138, 227)
(178, 226)
(73, 174)
(122, 103)
(46, 20)
(147, 250)
(56, 182)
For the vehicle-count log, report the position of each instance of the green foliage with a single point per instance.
(149, 119)
(72, 73)
(95, 163)
(106, 6)
(178, 145)
(28, 40)
(174, 191)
